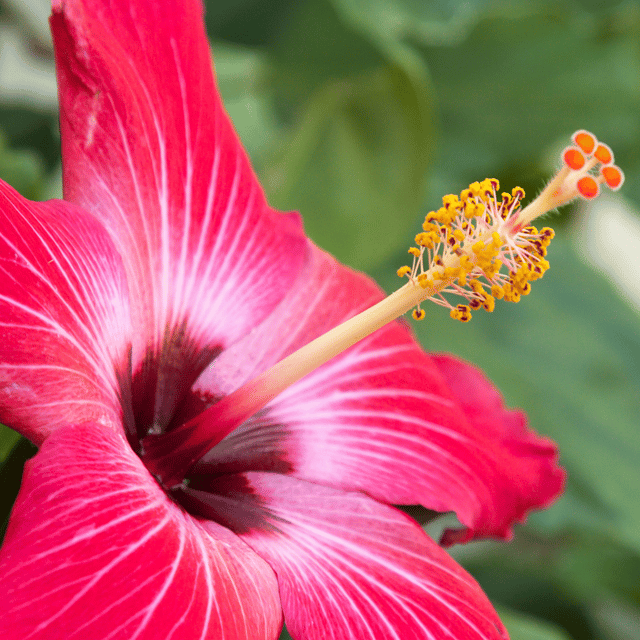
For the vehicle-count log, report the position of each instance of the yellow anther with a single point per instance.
(461, 312)
(517, 192)
(424, 281)
(414, 251)
(450, 200)
(510, 294)
(444, 216)
(458, 235)
(475, 189)
(524, 288)
(497, 240)
(403, 271)
(497, 291)
(488, 186)
(476, 285)
(478, 247)
(489, 303)
(418, 314)
(425, 240)
(466, 263)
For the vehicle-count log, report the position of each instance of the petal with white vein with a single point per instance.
(64, 317)
(149, 150)
(95, 549)
(349, 567)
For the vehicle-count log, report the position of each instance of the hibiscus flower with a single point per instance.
(183, 487)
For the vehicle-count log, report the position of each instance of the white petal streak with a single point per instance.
(183, 259)
(96, 550)
(164, 588)
(93, 287)
(351, 567)
(125, 553)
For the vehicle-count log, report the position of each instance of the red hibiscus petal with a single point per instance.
(96, 550)
(64, 317)
(349, 567)
(149, 150)
(381, 418)
(535, 456)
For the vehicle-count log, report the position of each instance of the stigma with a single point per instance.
(481, 246)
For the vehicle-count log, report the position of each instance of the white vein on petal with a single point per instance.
(353, 549)
(162, 591)
(100, 574)
(211, 599)
(101, 367)
(188, 184)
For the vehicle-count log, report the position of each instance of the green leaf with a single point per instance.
(583, 581)
(241, 73)
(537, 72)
(24, 129)
(434, 22)
(355, 165)
(21, 169)
(246, 22)
(523, 627)
(14, 451)
(8, 440)
(616, 620)
(315, 49)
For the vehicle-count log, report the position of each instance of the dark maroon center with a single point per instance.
(159, 397)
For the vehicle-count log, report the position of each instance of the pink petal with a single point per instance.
(64, 317)
(96, 550)
(149, 150)
(381, 418)
(536, 473)
(349, 567)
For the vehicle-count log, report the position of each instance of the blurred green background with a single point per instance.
(362, 114)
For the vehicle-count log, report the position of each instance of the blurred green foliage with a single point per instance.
(362, 114)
